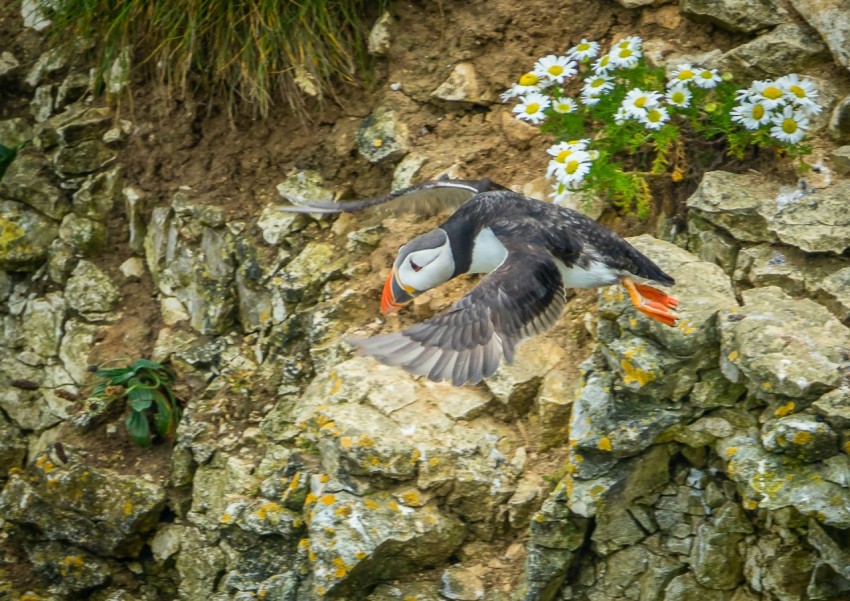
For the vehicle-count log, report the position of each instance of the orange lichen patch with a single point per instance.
(433, 462)
(730, 452)
(604, 444)
(44, 464)
(311, 498)
(337, 386)
(633, 322)
(366, 441)
(293, 484)
(766, 385)
(328, 499)
(346, 442)
(341, 568)
(329, 531)
(328, 425)
(685, 327)
(394, 506)
(321, 420)
(324, 478)
(750, 504)
(802, 438)
(344, 510)
(784, 409)
(265, 509)
(360, 555)
(27, 597)
(374, 460)
(370, 504)
(733, 356)
(226, 518)
(632, 374)
(847, 447)
(311, 555)
(414, 457)
(304, 543)
(128, 507)
(52, 482)
(73, 561)
(412, 497)
(262, 593)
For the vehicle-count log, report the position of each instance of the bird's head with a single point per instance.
(421, 264)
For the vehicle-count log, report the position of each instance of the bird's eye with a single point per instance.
(414, 266)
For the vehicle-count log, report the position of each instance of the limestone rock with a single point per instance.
(133, 207)
(77, 342)
(788, 48)
(42, 323)
(382, 136)
(301, 279)
(25, 237)
(782, 346)
(553, 406)
(406, 591)
(735, 15)
(42, 105)
(37, 406)
(817, 222)
(830, 19)
(86, 157)
(27, 181)
(515, 385)
(84, 235)
(375, 538)
(73, 88)
(742, 205)
(800, 436)
(96, 197)
(90, 290)
(769, 481)
(461, 584)
(460, 87)
(78, 124)
(101, 511)
(839, 122)
(685, 587)
(14, 132)
(716, 560)
(711, 243)
(840, 158)
(379, 36)
(13, 447)
(8, 63)
(71, 568)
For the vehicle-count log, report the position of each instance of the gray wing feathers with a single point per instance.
(522, 298)
(428, 197)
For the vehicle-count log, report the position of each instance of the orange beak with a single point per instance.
(394, 296)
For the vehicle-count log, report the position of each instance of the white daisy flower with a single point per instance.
(679, 95)
(573, 169)
(621, 115)
(655, 117)
(752, 114)
(632, 41)
(768, 92)
(603, 64)
(625, 58)
(561, 194)
(638, 101)
(802, 92)
(743, 95)
(561, 153)
(589, 99)
(597, 85)
(555, 68)
(789, 125)
(564, 105)
(684, 73)
(584, 50)
(531, 107)
(707, 78)
(529, 82)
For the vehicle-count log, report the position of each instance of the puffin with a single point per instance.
(532, 251)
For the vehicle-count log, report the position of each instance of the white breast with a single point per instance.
(596, 274)
(488, 252)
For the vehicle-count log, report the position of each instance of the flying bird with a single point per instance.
(532, 252)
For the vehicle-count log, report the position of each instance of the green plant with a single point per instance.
(147, 388)
(7, 155)
(632, 123)
(254, 52)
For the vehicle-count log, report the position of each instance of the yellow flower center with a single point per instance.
(572, 166)
(654, 116)
(583, 47)
(555, 70)
(566, 106)
(758, 112)
(597, 83)
(603, 62)
(678, 98)
(532, 108)
(798, 91)
(625, 53)
(772, 92)
(562, 156)
(641, 102)
(685, 74)
(529, 79)
(623, 45)
(789, 126)
(707, 75)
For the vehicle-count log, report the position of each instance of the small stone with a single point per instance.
(382, 136)
(133, 268)
(90, 290)
(97, 195)
(518, 133)
(14, 132)
(27, 180)
(86, 157)
(829, 18)
(134, 207)
(25, 237)
(460, 87)
(788, 48)
(461, 584)
(515, 385)
(79, 569)
(33, 15)
(839, 123)
(84, 235)
(8, 63)
(840, 158)
(379, 37)
(41, 105)
(817, 222)
(72, 89)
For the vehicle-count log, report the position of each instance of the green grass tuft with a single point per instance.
(252, 53)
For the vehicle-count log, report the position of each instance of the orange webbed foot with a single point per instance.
(652, 302)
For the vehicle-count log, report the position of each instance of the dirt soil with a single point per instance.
(236, 162)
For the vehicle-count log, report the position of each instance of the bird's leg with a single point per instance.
(652, 302)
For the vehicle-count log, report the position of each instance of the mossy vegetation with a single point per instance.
(252, 54)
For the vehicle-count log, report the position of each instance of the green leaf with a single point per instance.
(165, 418)
(140, 392)
(147, 364)
(138, 428)
(140, 405)
(7, 155)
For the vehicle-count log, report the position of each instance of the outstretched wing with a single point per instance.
(521, 298)
(428, 197)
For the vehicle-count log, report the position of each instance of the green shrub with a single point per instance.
(252, 52)
(146, 387)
